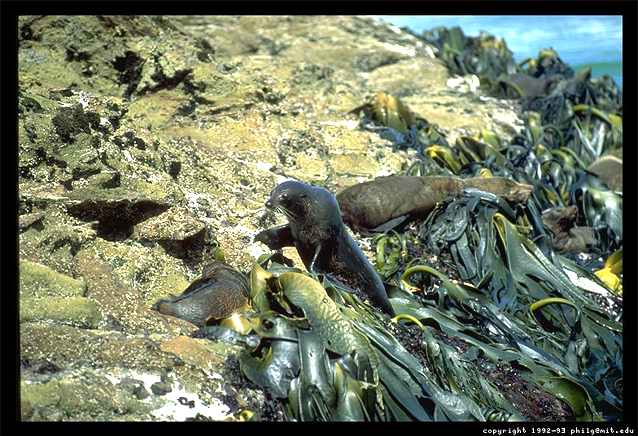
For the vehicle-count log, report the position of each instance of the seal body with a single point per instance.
(567, 237)
(220, 291)
(316, 230)
(369, 205)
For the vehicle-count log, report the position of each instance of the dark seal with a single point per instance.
(316, 230)
(220, 291)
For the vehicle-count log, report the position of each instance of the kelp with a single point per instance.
(387, 113)
(492, 254)
(328, 356)
(486, 56)
(611, 271)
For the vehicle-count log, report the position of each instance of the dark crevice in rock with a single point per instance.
(371, 61)
(42, 155)
(27, 104)
(269, 95)
(73, 54)
(32, 220)
(116, 218)
(193, 89)
(164, 82)
(70, 121)
(38, 366)
(25, 173)
(273, 47)
(74, 245)
(129, 140)
(190, 250)
(84, 173)
(113, 182)
(135, 387)
(26, 32)
(67, 184)
(174, 169)
(130, 68)
(187, 108)
(113, 323)
(116, 113)
(161, 388)
(206, 52)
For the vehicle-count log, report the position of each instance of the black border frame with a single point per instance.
(9, 349)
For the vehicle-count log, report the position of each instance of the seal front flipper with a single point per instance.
(277, 237)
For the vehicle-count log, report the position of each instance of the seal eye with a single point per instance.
(268, 325)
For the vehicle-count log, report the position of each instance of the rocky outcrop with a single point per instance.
(148, 146)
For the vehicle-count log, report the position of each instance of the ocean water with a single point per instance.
(583, 40)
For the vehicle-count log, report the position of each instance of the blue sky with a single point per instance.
(578, 39)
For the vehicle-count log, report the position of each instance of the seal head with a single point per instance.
(306, 205)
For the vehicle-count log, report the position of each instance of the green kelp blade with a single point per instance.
(274, 369)
(526, 262)
(426, 166)
(554, 300)
(513, 331)
(537, 361)
(459, 374)
(393, 411)
(399, 372)
(391, 250)
(323, 314)
(614, 262)
(258, 288)
(586, 109)
(568, 151)
(467, 150)
(574, 395)
(491, 199)
(400, 392)
(388, 348)
(404, 280)
(602, 210)
(271, 325)
(350, 406)
(317, 395)
(440, 319)
(444, 155)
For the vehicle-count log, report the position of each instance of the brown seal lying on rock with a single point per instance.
(315, 228)
(567, 237)
(386, 201)
(220, 291)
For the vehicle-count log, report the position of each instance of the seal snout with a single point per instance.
(281, 195)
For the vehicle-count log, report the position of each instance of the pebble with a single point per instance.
(161, 388)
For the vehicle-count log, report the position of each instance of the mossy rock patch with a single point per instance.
(37, 280)
(76, 311)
